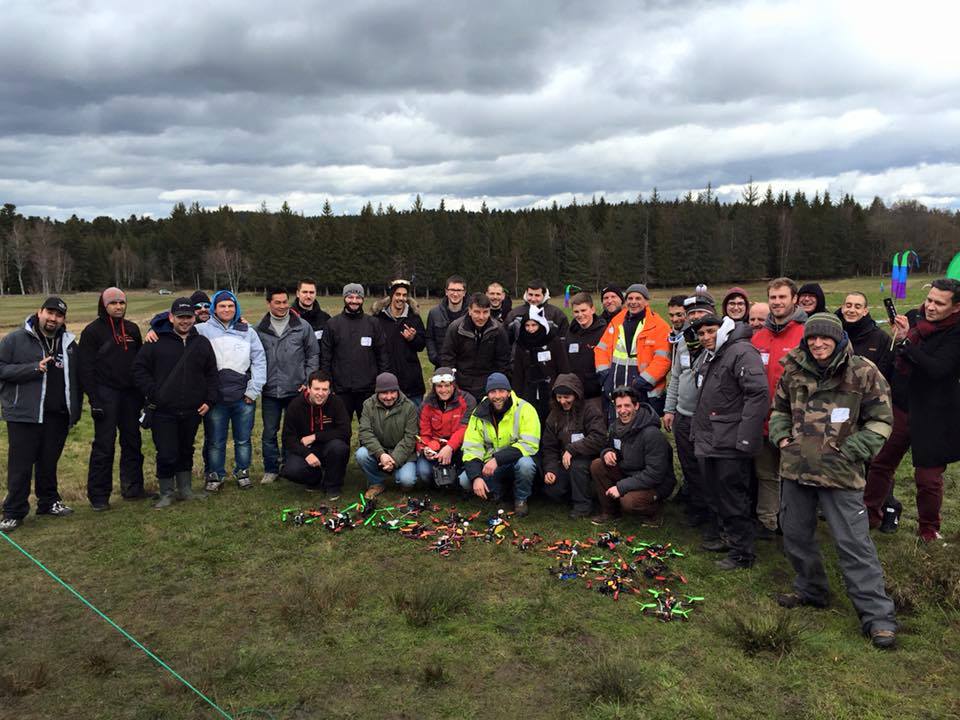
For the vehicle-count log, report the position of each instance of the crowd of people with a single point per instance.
(782, 412)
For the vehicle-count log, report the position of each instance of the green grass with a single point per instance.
(299, 623)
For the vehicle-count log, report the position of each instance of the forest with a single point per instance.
(680, 241)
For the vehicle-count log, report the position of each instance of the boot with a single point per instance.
(184, 489)
(891, 516)
(166, 493)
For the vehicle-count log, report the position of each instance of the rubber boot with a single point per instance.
(166, 493)
(184, 489)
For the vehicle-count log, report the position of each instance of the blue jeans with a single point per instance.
(521, 474)
(405, 476)
(272, 410)
(216, 423)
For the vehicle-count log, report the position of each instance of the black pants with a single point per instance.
(698, 506)
(727, 481)
(574, 483)
(354, 400)
(121, 414)
(333, 456)
(174, 435)
(33, 449)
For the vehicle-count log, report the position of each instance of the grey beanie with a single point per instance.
(353, 289)
(824, 325)
(498, 381)
(386, 382)
(638, 288)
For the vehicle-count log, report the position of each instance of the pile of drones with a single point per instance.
(608, 564)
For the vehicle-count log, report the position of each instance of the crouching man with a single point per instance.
(831, 414)
(388, 436)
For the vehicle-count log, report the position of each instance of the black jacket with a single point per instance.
(316, 317)
(475, 354)
(503, 311)
(555, 315)
(329, 421)
(352, 351)
(580, 344)
(536, 364)
(106, 353)
(438, 320)
(403, 359)
(586, 421)
(734, 398)
(644, 455)
(196, 382)
(871, 342)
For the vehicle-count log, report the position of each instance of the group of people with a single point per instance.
(780, 410)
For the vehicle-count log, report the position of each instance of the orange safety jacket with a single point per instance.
(649, 358)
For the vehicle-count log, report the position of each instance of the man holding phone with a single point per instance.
(404, 337)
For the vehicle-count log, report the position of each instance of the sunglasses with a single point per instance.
(202, 306)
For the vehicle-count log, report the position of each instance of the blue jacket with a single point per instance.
(241, 360)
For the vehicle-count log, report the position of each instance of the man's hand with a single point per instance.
(549, 478)
(408, 333)
(42, 365)
(783, 443)
(308, 439)
(901, 326)
(490, 467)
(248, 401)
(668, 422)
(150, 337)
(312, 460)
(302, 388)
(203, 410)
(610, 458)
(445, 456)
(566, 459)
(613, 492)
(480, 488)
(387, 462)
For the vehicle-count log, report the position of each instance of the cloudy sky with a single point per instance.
(110, 108)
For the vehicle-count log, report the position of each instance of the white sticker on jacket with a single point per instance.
(543, 356)
(576, 437)
(616, 443)
(699, 381)
(574, 348)
(366, 341)
(839, 415)
(318, 334)
(765, 357)
(684, 361)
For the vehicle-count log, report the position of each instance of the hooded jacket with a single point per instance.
(507, 438)
(682, 389)
(581, 343)
(554, 315)
(817, 291)
(196, 381)
(23, 387)
(106, 353)
(537, 361)
(774, 341)
(240, 356)
(582, 430)
(734, 401)
(836, 418)
(870, 341)
(644, 455)
(731, 293)
(329, 421)
(391, 430)
(444, 423)
(291, 357)
(474, 353)
(439, 319)
(403, 358)
(353, 352)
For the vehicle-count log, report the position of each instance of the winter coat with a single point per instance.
(645, 363)
(871, 342)
(291, 357)
(444, 424)
(403, 358)
(391, 430)
(352, 352)
(774, 341)
(241, 360)
(514, 435)
(553, 314)
(836, 418)
(438, 320)
(329, 421)
(106, 353)
(734, 401)
(582, 430)
(197, 380)
(23, 387)
(316, 317)
(682, 389)
(817, 291)
(474, 354)
(501, 313)
(581, 343)
(536, 364)
(644, 455)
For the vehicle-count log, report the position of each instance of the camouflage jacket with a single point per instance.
(836, 419)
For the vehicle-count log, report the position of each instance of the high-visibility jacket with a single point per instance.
(519, 428)
(648, 358)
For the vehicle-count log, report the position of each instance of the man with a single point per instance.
(108, 347)
(573, 436)
(292, 354)
(677, 315)
(611, 297)
(681, 403)
(352, 351)
(178, 376)
(201, 310)
(475, 346)
(759, 312)
(811, 299)
(40, 400)
(926, 395)
(727, 432)
(242, 366)
(500, 445)
(781, 333)
(582, 337)
(443, 423)
(538, 296)
(736, 304)
(440, 318)
(635, 349)
(634, 473)
(404, 338)
(866, 337)
(316, 433)
(306, 307)
(824, 440)
(388, 437)
(500, 304)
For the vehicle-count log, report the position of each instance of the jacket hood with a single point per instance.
(799, 316)
(731, 331)
(224, 295)
(735, 291)
(817, 291)
(646, 417)
(383, 303)
(571, 381)
(30, 325)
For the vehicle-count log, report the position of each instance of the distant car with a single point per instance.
(164, 291)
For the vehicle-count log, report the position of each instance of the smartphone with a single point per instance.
(891, 309)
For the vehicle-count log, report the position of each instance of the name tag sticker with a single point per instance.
(765, 357)
(574, 347)
(616, 443)
(699, 381)
(543, 356)
(576, 437)
(366, 341)
(318, 334)
(839, 415)
(684, 361)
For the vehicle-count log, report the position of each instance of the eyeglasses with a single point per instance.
(202, 306)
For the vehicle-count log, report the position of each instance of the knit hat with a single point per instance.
(199, 297)
(639, 288)
(615, 289)
(113, 294)
(701, 300)
(353, 289)
(824, 325)
(386, 382)
(498, 381)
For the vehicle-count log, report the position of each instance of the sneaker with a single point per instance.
(794, 599)
(269, 477)
(373, 491)
(214, 483)
(333, 495)
(243, 479)
(520, 509)
(883, 639)
(928, 538)
(729, 563)
(9, 524)
(58, 509)
(100, 506)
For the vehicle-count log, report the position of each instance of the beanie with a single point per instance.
(639, 288)
(615, 289)
(200, 297)
(824, 325)
(498, 381)
(701, 300)
(386, 382)
(113, 294)
(353, 289)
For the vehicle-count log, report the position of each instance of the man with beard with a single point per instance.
(404, 337)
(388, 437)
(500, 304)
(611, 298)
(759, 312)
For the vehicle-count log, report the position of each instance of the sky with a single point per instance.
(110, 108)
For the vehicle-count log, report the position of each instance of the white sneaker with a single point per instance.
(268, 477)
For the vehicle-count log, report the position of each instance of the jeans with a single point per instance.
(405, 476)
(272, 410)
(521, 473)
(216, 423)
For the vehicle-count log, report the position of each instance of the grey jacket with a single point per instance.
(291, 357)
(682, 388)
(23, 386)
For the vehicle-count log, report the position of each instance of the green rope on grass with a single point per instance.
(119, 629)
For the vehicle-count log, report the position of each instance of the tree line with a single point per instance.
(682, 241)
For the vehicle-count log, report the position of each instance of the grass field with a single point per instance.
(276, 621)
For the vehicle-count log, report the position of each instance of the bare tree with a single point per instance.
(125, 265)
(44, 256)
(226, 261)
(18, 242)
